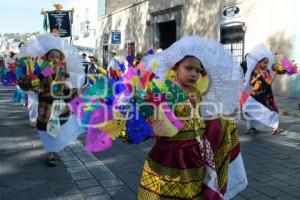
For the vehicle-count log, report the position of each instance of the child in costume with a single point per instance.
(196, 154)
(29, 98)
(55, 75)
(260, 108)
(203, 159)
(8, 78)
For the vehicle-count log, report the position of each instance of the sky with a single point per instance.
(21, 16)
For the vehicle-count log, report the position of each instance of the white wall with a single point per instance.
(272, 22)
(84, 11)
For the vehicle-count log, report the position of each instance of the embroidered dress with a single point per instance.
(57, 85)
(69, 129)
(262, 90)
(193, 157)
(194, 163)
(260, 108)
(46, 99)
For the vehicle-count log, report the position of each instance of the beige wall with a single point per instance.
(158, 5)
(271, 22)
(132, 24)
(138, 22)
(266, 20)
(197, 16)
(113, 5)
(201, 17)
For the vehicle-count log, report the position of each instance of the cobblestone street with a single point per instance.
(272, 163)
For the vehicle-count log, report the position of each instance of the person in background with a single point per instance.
(93, 70)
(21, 46)
(260, 107)
(10, 58)
(244, 64)
(93, 66)
(85, 64)
(114, 65)
(32, 100)
(200, 160)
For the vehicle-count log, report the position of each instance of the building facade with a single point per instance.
(84, 24)
(239, 25)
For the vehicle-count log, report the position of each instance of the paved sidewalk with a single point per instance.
(272, 163)
(23, 171)
(79, 174)
(288, 106)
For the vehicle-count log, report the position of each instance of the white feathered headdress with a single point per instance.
(225, 76)
(40, 45)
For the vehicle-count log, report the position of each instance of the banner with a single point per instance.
(60, 21)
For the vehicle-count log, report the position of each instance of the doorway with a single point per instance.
(167, 33)
(105, 56)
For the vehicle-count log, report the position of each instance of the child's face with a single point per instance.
(264, 64)
(54, 56)
(189, 71)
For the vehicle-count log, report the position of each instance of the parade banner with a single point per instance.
(60, 21)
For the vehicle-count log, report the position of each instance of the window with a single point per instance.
(233, 38)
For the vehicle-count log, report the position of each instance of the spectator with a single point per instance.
(93, 67)
(21, 45)
(85, 64)
(244, 64)
(114, 65)
(115, 61)
(261, 96)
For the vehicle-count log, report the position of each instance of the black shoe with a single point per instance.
(252, 131)
(277, 131)
(51, 162)
(255, 130)
(249, 131)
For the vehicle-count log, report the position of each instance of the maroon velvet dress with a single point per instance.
(194, 163)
